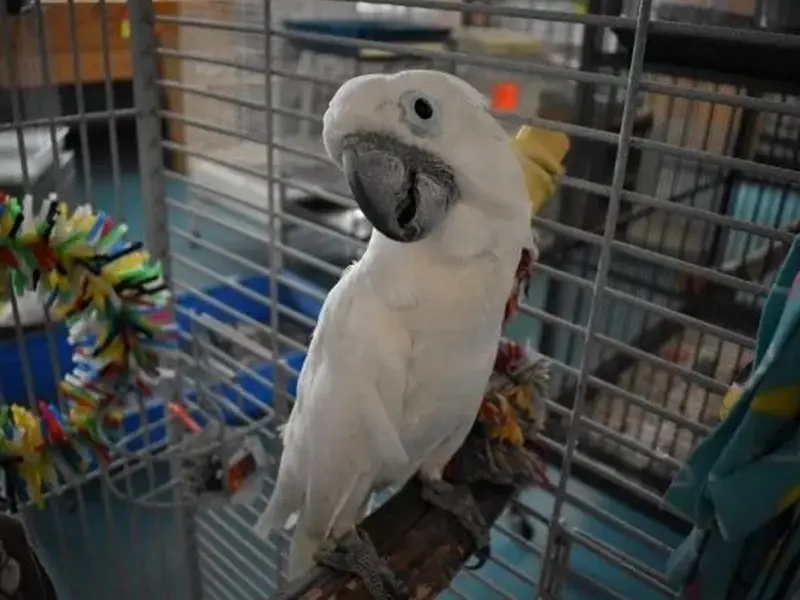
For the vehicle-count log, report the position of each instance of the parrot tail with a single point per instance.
(282, 508)
(301, 553)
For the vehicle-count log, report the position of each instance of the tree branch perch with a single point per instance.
(425, 546)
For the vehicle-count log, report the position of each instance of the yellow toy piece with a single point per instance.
(28, 445)
(540, 152)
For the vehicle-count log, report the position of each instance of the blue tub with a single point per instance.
(45, 385)
(397, 32)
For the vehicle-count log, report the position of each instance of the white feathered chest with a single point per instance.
(453, 315)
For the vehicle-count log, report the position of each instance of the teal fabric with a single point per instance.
(733, 485)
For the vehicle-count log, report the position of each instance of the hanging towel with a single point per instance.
(741, 485)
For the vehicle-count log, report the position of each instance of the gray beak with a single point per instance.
(402, 190)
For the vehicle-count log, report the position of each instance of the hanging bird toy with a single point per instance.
(114, 301)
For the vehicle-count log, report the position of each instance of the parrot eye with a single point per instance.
(420, 114)
(423, 109)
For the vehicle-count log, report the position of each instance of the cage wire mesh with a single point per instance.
(679, 199)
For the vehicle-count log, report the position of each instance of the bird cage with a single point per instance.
(676, 208)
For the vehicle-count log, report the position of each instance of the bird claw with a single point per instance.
(356, 554)
(458, 501)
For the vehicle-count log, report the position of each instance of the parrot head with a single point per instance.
(414, 145)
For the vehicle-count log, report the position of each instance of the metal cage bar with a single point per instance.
(680, 196)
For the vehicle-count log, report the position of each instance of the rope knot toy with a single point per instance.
(114, 302)
(500, 447)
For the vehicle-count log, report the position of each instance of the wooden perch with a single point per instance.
(425, 546)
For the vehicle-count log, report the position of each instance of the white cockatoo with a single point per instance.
(406, 340)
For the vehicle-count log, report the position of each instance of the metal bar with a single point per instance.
(617, 523)
(242, 342)
(747, 128)
(44, 65)
(781, 40)
(574, 206)
(235, 285)
(605, 385)
(236, 101)
(590, 20)
(566, 128)
(686, 374)
(654, 258)
(141, 15)
(239, 315)
(459, 57)
(573, 130)
(632, 444)
(626, 131)
(80, 101)
(704, 156)
(191, 122)
(304, 257)
(759, 36)
(592, 425)
(648, 342)
(667, 205)
(673, 205)
(210, 557)
(587, 18)
(682, 318)
(286, 281)
(311, 189)
(220, 520)
(93, 116)
(54, 359)
(609, 472)
(108, 91)
(629, 565)
(251, 572)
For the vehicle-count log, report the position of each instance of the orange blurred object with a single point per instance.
(240, 472)
(505, 96)
(183, 416)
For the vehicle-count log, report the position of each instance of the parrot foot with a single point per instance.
(458, 501)
(355, 554)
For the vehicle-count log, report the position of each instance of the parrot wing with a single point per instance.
(343, 435)
(358, 350)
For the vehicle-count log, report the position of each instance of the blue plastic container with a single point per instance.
(260, 284)
(397, 32)
(39, 357)
(45, 385)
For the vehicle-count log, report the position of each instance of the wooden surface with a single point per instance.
(424, 546)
